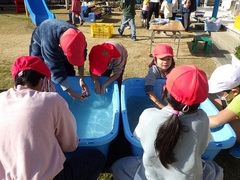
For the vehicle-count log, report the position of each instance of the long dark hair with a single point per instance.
(28, 77)
(169, 131)
(172, 66)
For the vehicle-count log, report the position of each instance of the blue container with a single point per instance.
(97, 116)
(133, 89)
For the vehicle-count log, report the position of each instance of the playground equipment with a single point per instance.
(38, 11)
(19, 4)
(87, 15)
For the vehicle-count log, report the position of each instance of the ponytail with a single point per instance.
(166, 140)
(169, 132)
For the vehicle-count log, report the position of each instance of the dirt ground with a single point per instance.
(16, 32)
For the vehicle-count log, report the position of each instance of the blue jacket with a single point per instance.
(45, 44)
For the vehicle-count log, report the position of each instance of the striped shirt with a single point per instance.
(117, 65)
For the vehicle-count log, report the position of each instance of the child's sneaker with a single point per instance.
(235, 150)
(81, 22)
(120, 32)
(134, 38)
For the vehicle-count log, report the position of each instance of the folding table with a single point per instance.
(173, 26)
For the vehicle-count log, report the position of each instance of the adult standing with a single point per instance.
(37, 127)
(185, 8)
(61, 46)
(154, 7)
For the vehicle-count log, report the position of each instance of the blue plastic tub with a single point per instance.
(134, 101)
(97, 117)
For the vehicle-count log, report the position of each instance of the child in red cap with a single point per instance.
(162, 63)
(174, 137)
(37, 128)
(61, 46)
(107, 59)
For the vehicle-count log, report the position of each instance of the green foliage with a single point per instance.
(237, 52)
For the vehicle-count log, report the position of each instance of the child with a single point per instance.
(159, 67)
(166, 8)
(47, 119)
(175, 137)
(144, 12)
(224, 89)
(76, 9)
(174, 9)
(105, 59)
(128, 9)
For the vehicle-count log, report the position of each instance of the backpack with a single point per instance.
(193, 6)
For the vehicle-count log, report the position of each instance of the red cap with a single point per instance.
(30, 62)
(187, 84)
(73, 44)
(99, 57)
(162, 50)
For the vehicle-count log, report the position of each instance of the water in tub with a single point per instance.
(135, 106)
(94, 115)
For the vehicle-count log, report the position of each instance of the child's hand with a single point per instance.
(102, 90)
(97, 88)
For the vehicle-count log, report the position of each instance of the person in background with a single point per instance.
(144, 13)
(107, 59)
(166, 8)
(224, 92)
(185, 8)
(154, 7)
(76, 10)
(161, 65)
(174, 9)
(128, 8)
(61, 46)
(175, 137)
(37, 127)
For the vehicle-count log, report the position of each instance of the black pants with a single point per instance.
(153, 8)
(186, 20)
(86, 165)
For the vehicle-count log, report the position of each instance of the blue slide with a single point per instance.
(38, 11)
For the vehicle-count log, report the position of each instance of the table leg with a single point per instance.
(178, 42)
(152, 38)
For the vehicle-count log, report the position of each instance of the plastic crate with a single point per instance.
(101, 30)
(97, 117)
(237, 23)
(212, 26)
(223, 137)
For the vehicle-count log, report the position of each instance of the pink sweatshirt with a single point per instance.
(35, 129)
